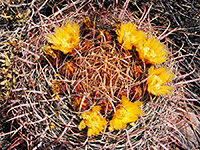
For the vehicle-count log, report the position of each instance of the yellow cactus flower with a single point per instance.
(126, 112)
(95, 122)
(65, 38)
(157, 80)
(129, 36)
(152, 51)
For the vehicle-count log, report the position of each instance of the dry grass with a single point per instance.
(33, 118)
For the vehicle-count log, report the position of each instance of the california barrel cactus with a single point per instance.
(95, 75)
